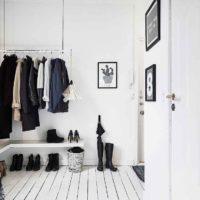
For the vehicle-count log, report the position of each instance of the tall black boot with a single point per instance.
(55, 162)
(36, 166)
(53, 138)
(49, 167)
(30, 164)
(19, 162)
(14, 163)
(109, 154)
(100, 155)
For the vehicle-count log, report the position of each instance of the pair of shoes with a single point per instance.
(17, 162)
(74, 137)
(33, 165)
(53, 164)
(109, 153)
(52, 137)
(3, 168)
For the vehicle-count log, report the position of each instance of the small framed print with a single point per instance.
(150, 83)
(107, 75)
(152, 24)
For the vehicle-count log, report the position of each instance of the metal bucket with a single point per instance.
(75, 159)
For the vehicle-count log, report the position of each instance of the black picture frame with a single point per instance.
(150, 83)
(152, 24)
(107, 75)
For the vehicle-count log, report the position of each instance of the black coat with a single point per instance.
(58, 83)
(29, 113)
(32, 83)
(7, 75)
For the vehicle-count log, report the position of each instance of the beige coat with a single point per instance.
(16, 104)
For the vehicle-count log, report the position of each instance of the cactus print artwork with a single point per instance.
(107, 75)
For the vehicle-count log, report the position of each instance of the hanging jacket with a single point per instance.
(29, 113)
(16, 103)
(32, 83)
(40, 83)
(58, 83)
(47, 76)
(7, 75)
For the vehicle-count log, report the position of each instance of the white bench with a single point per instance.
(7, 144)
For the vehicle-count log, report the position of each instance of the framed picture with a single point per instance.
(107, 75)
(152, 24)
(150, 83)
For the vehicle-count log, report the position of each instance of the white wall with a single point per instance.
(156, 116)
(96, 31)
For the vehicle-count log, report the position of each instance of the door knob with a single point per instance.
(142, 112)
(171, 96)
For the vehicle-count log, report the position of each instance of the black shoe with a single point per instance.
(19, 162)
(49, 167)
(109, 154)
(100, 155)
(70, 136)
(30, 165)
(14, 163)
(76, 136)
(53, 138)
(36, 166)
(55, 162)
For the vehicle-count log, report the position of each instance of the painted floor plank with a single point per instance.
(101, 186)
(44, 192)
(18, 187)
(121, 191)
(127, 184)
(27, 188)
(74, 187)
(134, 181)
(111, 189)
(92, 184)
(64, 188)
(83, 185)
(37, 186)
(57, 183)
(12, 181)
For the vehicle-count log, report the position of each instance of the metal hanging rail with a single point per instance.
(31, 50)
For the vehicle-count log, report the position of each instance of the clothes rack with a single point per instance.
(32, 50)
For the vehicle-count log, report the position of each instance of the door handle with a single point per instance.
(171, 96)
(142, 112)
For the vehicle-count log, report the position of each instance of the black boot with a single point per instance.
(50, 163)
(55, 162)
(30, 165)
(36, 166)
(100, 155)
(14, 163)
(53, 138)
(19, 162)
(109, 154)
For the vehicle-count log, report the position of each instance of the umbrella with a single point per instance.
(71, 93)
(100, 130)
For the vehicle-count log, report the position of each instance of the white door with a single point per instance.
(185, 178)
(141, 103)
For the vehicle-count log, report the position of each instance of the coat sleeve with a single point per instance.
(65, 77)
(24, 88)
(57, 84)
(2, 70)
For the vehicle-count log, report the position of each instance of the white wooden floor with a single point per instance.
(87, 185)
